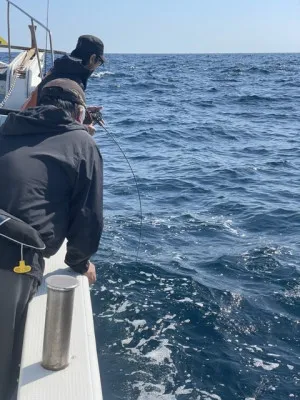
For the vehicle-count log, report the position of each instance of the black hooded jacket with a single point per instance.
(51, 177)
(67, 67)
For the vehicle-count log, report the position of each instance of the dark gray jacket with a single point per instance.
(67, 67)
(51, 177)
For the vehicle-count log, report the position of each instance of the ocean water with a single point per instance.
(209, 308)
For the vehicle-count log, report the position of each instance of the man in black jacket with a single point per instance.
(51, 178)
(78, 66)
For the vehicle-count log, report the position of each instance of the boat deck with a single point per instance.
(81, 379)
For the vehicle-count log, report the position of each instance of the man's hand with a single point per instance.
(91, 273)
(91, 129)
(93, 110)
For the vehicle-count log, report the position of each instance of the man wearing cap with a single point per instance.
(78, 66)
(51, 180)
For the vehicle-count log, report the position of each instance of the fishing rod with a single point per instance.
(97, 118)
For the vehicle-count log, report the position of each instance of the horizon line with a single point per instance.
(204, 53)
(188, 53)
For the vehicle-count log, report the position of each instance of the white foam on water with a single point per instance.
(292, 293)
(155, 395)
(170, 327)
(151, 391)
(137, 323)
(268, 366)
(221, 221)
(123, 307)
(161, 354)
(254, 348)
(126, 341)
(185, 300)
(166, 317)
(130, 283)
(142, 342)
(102, 74)
(235, 302)
(145, 273)
(209, 396)
(118, 320)
(182, 390)
(178, 257)
(228, 225)
(169, 316)
(140, 372)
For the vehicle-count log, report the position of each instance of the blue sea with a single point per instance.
(206, 304)
(210, 309)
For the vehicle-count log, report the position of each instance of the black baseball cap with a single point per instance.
(88, 45)
(63, 89)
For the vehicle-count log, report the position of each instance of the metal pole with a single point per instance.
(34, 43)
(3, 46)
(58, 321)
(28, 15)
(8, 31)
(51, 48)
(32, 21)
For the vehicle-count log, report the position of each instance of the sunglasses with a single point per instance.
(100, 61)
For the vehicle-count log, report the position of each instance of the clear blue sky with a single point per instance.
(167, 26)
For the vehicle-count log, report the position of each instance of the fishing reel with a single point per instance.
(93, 116)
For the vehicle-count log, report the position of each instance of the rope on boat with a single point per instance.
(13, 84)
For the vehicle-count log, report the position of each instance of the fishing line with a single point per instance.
(99, 121)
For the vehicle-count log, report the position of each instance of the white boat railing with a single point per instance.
(33, 21)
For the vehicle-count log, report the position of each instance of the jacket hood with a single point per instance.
(72, 66)
(43, 120)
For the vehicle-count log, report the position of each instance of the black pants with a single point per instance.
(16, 290)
